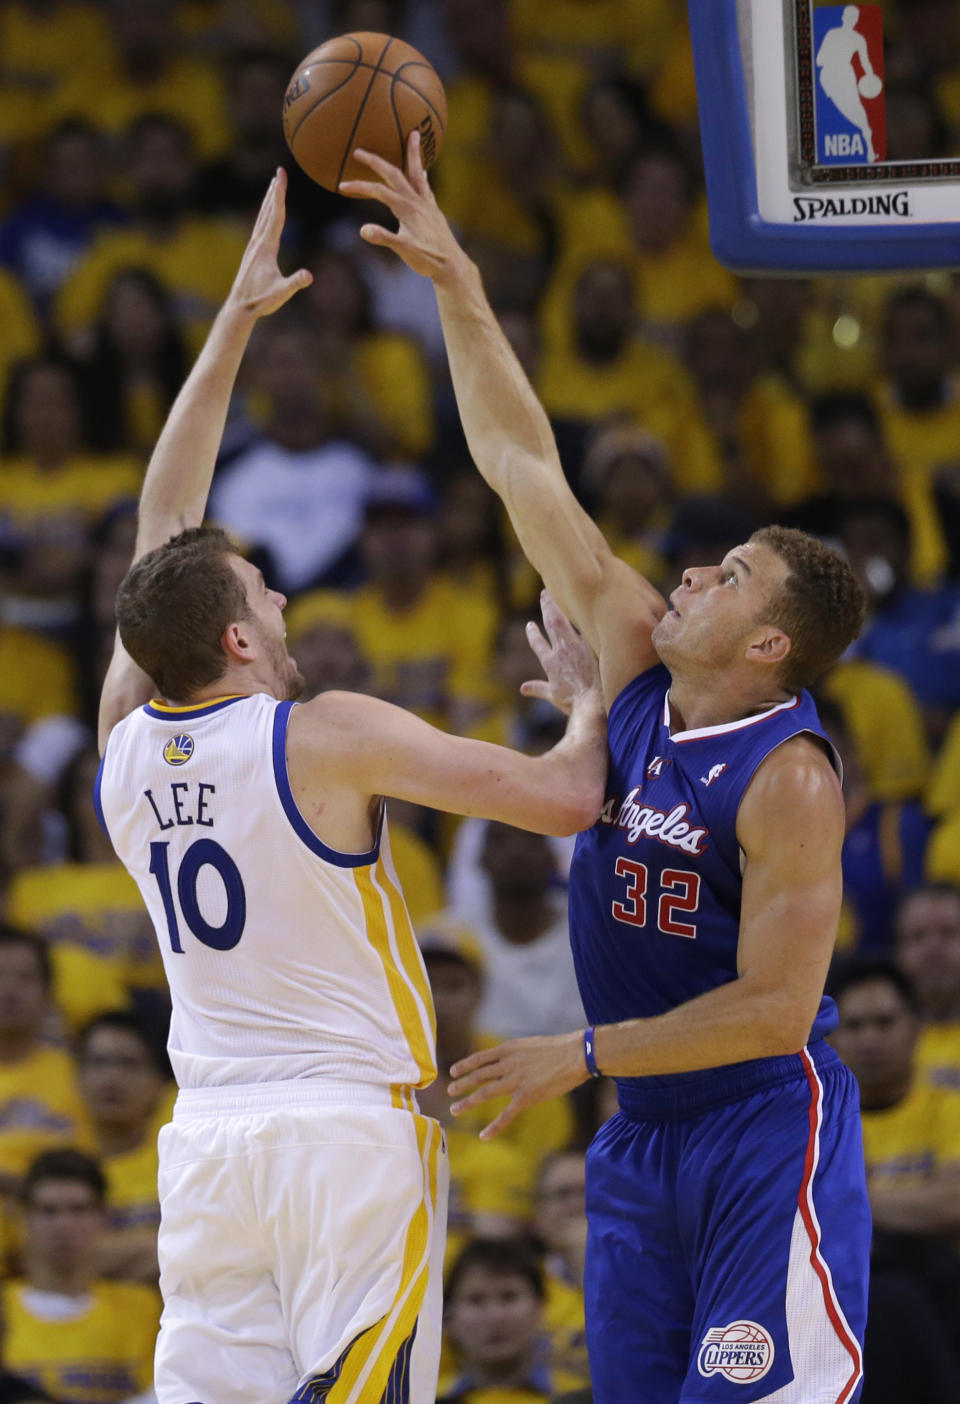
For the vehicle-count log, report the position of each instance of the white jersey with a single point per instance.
(285, 959)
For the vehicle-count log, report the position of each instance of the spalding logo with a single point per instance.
(741, 1352)
(178, 750)
(296, 90)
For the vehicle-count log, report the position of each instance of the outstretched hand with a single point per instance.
(259, 287)
(424, 240)
(527, 1070)
(565, 657)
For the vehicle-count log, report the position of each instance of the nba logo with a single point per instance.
(851, 113)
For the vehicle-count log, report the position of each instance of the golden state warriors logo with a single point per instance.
(178, 750)
(741, 1352)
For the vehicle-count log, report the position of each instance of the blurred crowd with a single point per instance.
(137, 138)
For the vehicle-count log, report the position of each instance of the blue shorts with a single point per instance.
(729, 1239)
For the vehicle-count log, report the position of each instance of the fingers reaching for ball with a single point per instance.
(424, 239)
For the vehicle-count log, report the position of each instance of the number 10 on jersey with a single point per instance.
(679, 892)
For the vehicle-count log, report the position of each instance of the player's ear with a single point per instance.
(770, 646)
(237, 642)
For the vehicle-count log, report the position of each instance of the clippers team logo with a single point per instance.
(712, 774)
(655, 766)
(178, 750)
(851, 111)
(741, 1352)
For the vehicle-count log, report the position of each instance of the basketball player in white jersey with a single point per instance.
(303, 1195)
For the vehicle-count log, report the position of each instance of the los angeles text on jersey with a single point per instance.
(666, 826)
(809, 207)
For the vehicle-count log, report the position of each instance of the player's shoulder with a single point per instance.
(795, 783)
(334, 726)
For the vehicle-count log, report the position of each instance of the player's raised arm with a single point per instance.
(178, 478)
(344, 739)
(510, 436)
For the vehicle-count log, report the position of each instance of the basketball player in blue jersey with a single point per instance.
(728, 1218)
(303, 1196)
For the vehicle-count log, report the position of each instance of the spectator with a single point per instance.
(491, 1182)
(146, 71)
(296, 491)
(376, 381)
(628, 480)
(88, 899)
(494, 1320)
(124, 1083)
(42, 239)
(596, 365)
(234, 183)
(928, 952)
(885, 721)
(40, 1101)
(852, 458)
(530, 982)
(676, 271)
(900, 1311)
(136, 365)
(65, 1324)
(617, 120)
(915, 632)
(428, 640)
(918, 399)
(560, 1224)
(911, 1126)
(193, 255)
(52, 487)
(883, 848)
(456, 971)
(321, 634)
(511, 220)
(757, 420)
(472, 550)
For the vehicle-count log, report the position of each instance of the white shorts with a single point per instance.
(301, 1247)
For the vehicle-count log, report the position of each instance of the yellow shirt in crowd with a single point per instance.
(938, 1054)
(432, 657)
(85, 486)
(102, 1356)
(40, 1109)
(885, 722)
(109, 918)
(36, 676)
(189, 90)
(132, 1197)
(903, 1145)
(85, 984)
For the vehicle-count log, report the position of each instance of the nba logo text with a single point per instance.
(849, 83)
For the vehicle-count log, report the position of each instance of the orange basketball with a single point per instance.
(366, 90)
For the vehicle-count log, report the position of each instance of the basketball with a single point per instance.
(366, 90)
(870, 85)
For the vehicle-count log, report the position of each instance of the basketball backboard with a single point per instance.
(792, 116)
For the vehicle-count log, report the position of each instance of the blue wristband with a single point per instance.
(589, 1055)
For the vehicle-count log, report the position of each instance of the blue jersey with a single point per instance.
(655, 885)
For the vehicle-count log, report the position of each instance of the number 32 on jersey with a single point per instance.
(679, 893)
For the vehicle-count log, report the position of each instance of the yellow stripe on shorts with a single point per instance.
(367, 1368)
